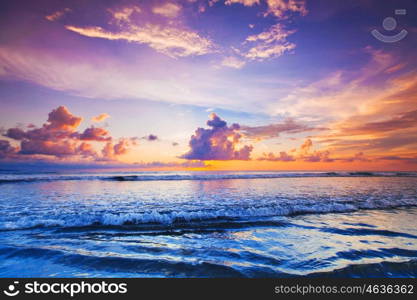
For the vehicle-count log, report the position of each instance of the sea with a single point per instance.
(208, 224)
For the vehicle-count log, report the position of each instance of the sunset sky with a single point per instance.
(208, 85)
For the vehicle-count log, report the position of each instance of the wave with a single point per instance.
(383, 269)
(231, 216)
(162, 266)
(8, 179)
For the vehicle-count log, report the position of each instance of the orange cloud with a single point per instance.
(100, 118)
(62, 119)
(110, 150)
(305, 147)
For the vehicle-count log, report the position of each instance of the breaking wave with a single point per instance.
(225, 217)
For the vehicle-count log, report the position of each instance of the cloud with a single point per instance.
(400, 121)
(86, 150)
(410, 160)
(318, 156)
(169, 40)
(220, 142)
(94, 76)
(366, 110)
(61, 119)
(123, 14)
(6, 149)
(279, 8)
(283, 156)
(232, 62)
(274, 130)
(59, 138)
(169, 10)
(151, 137)
(95, 134)
(342, 94)
(269, 44)
(403, 142)
(15, 133)
(122, 147)
(360, 156)
(388, 124)
(54, 148)
(312, 157)
(158, 164)
(57, 15)
(61, 124)
(100, 118)
(243, 2)
(110, 150)
(306, 146)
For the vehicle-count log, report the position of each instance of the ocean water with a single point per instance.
(205, 224)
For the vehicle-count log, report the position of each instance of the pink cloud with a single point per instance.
(55, 148)
(59, 138)
(86, 150)
(111, 150)
(95, 134)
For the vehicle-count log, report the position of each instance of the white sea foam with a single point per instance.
(199, 217)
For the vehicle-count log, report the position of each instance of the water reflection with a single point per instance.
(237, 227)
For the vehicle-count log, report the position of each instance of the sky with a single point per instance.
(208, 84)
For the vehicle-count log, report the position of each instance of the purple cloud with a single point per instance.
(151, 137)
(217, 143)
